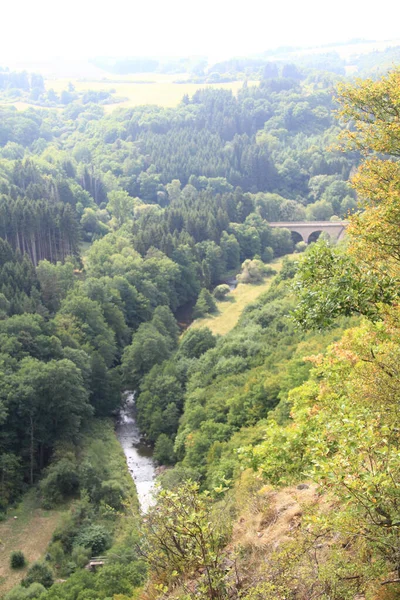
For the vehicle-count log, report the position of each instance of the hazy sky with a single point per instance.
(38, 29)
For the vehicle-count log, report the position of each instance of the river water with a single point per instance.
(138, 454)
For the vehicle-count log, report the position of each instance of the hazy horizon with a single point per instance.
(85, 30)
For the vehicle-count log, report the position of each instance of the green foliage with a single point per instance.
(17, 559)
(61, 480)
(182, 537)
(301, 247)
(94, 537)
(205, 304)
(329, 284)
(35, 590)
(164, 450)
(253, 271)
(196, 342)
(149, 347)
(221, 291)
(172, 201)
(39, 572)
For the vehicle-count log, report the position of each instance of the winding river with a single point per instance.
(138, 455)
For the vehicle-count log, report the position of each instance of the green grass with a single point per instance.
(229, 310)
(30, 532)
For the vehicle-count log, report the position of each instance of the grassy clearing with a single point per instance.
(158, 89)
(229, 310)
(30, 532)
(146, 88)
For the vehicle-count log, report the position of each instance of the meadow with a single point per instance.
(29, 528)
(143, 89)
(230, 309)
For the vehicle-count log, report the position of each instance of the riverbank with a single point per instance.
(138, 455)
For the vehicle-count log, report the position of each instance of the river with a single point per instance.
(138, 454)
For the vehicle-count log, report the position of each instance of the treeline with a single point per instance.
(23, 81)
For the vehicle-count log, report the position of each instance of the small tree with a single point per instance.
(221, 291)
(205, 304)
(196, 342)
(164, 450)
(181, 538)
(39, 573)
(17, 560)
(253, 271)
(301, 247)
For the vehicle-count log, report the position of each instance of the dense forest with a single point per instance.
(109, 226)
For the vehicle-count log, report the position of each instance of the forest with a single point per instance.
(278, 440)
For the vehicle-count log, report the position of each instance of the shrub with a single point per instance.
(95, 537)
(17, 560)
(80, 556)
(31, 593)
(39, 573)
(61, 481)
(34, 591)
(253, 271)
(221, 291)
(113, 494)
(267, 254)
(116, 578)
(301, 247)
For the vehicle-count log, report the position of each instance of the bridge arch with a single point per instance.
(296, 237)
(306, 229)
(313, 237)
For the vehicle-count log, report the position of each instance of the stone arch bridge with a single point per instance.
(306, 229)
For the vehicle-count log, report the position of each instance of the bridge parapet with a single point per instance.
(335, 229)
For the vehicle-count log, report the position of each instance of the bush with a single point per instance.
(113, 494)
(31, 593)
(253, 271)
(267, 254)
(80, 556)
(221, 291)
(39, 573)
(61, 481)
(301, 247)
(95, 537)
(116, 578)
(17, 560)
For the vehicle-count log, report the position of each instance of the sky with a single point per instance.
(76, 29)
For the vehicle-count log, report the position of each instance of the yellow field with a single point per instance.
(30, 532)
(155, 89)
(229, 310)
(158, 89)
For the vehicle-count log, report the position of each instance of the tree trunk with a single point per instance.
(31, 451)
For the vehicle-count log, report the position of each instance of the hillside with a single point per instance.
(274, 416)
